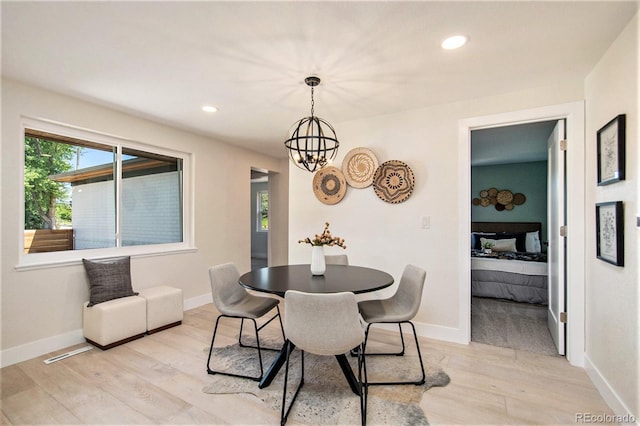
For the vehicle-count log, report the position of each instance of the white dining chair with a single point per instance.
(336, 259)
(323, 324)
(233, 301)
(400, 309)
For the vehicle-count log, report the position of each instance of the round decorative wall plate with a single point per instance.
(504, 197)
(329, 185)
(519, 199)
(393, 181)
(359, 166)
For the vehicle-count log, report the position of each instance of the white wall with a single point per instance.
(388, 236)
(41, 308)
(612, 295)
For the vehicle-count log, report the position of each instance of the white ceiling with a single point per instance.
(164, 60)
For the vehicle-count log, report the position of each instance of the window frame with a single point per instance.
(28, 261)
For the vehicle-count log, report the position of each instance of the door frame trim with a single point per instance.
(574, 114)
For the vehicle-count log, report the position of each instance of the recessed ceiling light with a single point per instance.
(209, 108)
(454, 42)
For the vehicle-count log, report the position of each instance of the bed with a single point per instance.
(516, 268)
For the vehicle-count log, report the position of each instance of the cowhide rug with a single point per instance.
(325, 398)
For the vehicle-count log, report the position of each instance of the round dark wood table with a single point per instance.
(277, 280)
(337, 278)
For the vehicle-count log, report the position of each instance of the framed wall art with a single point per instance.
(611, 151)
(610, 232)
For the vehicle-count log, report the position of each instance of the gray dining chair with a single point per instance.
(233, 301)
(400, 309)
(323, 324)
(336, 259)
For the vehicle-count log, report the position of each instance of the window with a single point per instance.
(263, 211)
(86, 191)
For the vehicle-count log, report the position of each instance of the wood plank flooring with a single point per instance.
(159, 379)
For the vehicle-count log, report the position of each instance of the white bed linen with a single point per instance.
(509, 265)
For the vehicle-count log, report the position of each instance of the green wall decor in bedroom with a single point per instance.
(529, 179)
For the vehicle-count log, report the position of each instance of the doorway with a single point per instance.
(573, 113)
(259, 226)
(510, 291)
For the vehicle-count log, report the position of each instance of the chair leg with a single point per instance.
(242, 345)
(215, 330)
(284, 413)
(362, 379)
(415, 336)
(354, 351)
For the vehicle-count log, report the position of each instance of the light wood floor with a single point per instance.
(159, 379)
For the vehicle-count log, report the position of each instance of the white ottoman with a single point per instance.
(115, 322)
(164, 307)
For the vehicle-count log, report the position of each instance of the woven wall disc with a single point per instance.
(492, 192)
(359, 166)
(484, 193)
(504, 197)
(329, 185)
(508, 207)
(519, 199)
(484, 202)
(393, 181)
(476, 201)
(500, 207)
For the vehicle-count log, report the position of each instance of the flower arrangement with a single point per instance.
(324, 239)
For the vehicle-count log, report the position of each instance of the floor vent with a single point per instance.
(67, 354)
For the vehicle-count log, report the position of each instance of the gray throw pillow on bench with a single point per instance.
(108, 279)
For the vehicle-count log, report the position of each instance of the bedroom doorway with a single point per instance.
(510, 181)
(573, 114)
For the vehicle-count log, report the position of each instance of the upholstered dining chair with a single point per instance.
(336, 259)
(400, 309)
(323, 324)
(233, 301)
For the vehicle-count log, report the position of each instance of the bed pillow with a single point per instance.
(533, 242)
(508, 244)
(475, 239)
(108, 279)
(519, 236)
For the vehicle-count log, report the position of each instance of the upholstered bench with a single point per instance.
(164, 307)
(115, 322)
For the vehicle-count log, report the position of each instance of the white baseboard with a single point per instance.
(50, 344)
(609, 394)
(40, 347)
(197, 301)
(438, 332)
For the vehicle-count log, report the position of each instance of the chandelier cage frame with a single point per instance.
(312, 143)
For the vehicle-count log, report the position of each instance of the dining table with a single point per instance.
(277, 280)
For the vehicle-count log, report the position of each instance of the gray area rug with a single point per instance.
(507, 324)
(325, 398)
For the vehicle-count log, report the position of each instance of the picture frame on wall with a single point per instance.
(611, 151)
(610, 232)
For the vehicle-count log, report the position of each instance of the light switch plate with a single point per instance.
(425, 222)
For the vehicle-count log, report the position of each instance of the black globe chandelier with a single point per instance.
(312, 142)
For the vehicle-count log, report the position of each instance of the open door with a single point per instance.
(556, 316)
